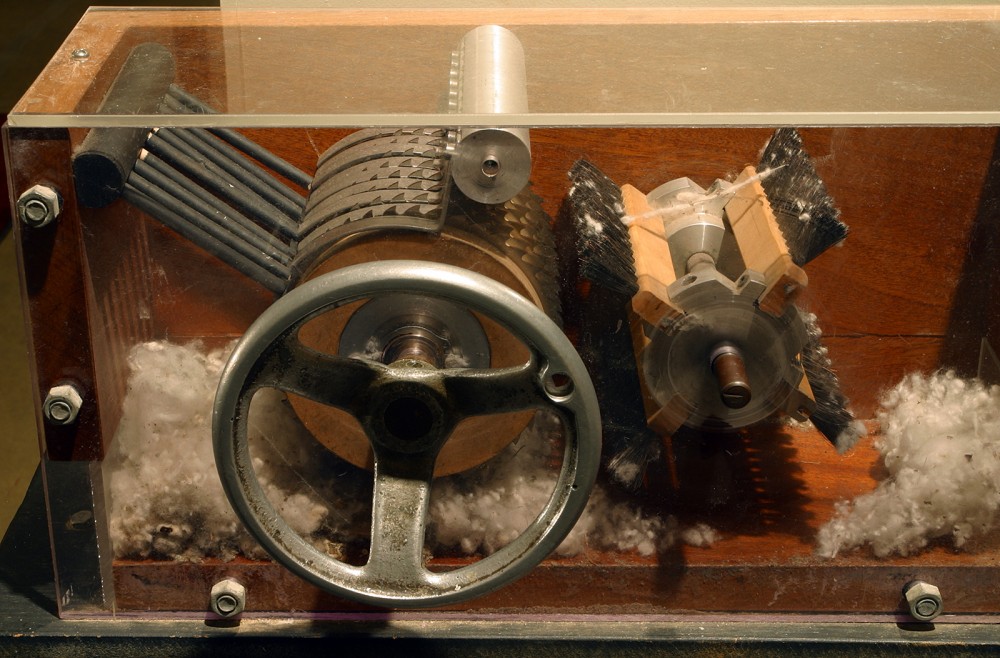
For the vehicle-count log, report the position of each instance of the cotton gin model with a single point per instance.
(418, 295)
(300, 250)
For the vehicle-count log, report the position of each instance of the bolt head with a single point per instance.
(228, 598)
(62, 404)
(38, 206)
(924, 600)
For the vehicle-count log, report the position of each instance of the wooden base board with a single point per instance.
(765, 493)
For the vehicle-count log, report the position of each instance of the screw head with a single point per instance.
(81, 53)
(924, 600)
(38, 205)
(62, 404)
(228, 598)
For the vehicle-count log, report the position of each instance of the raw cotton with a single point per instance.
(166, 497)
(167, 501)
(480, 514)
(940, 439)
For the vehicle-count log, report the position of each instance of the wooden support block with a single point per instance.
(653, 268)
(762, 245)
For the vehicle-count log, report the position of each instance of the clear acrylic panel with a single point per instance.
(650, 66)
(783, 327)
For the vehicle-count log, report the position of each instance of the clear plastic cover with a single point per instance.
(797, 425)
(651, 66)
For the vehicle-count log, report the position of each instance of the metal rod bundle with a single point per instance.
(215, 189)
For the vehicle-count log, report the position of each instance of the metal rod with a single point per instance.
(173, 105)
(211, 151)
(216, 203)
(183, 158)
(235, 139)
(205, 224)
(245, 171)
(730, 371)
(199, 237)
(159, 173)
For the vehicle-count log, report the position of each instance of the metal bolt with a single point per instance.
(228, 598)
(923, 599)
(62, 404)
(81, 53)
(38, 206)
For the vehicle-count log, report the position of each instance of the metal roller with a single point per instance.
(491, 165)
(368, 205)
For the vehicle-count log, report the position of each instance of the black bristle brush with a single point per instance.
(604, 257)
(806, 214)
(810, 223)
(833, 417)
(603, 248)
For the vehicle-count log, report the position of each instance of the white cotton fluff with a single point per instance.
(167, 501)
(166, 497)
(940, 438)
(477, 514)
(701, 535)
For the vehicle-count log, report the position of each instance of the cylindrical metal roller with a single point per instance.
(491, 165)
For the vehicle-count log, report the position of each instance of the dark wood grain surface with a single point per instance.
(886, 300)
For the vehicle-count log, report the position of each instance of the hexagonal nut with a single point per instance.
(39, 205)
(924, 600)
(62, 404)
(228, 598)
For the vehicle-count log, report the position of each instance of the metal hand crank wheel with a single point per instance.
(407, 410)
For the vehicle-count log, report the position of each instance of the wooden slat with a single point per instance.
(654, 269)
(761, 244)
(57, 294)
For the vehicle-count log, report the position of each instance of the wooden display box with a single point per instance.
(913, 289)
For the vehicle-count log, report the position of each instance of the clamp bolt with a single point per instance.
(923, 599)
(62, 404)
(38, 206)
(228, 598)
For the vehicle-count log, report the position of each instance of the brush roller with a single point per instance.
(723, 355)
(708, 280)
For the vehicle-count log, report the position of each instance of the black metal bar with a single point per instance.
(265, 176)
(218, 249)
(183, 158)
(251, 148)
(225, 157)
(206, 225)
(103, 161)
(173, 105)
(215, 202)
(259, 153)
(223, 217)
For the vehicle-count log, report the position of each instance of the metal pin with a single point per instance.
(730, 371)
